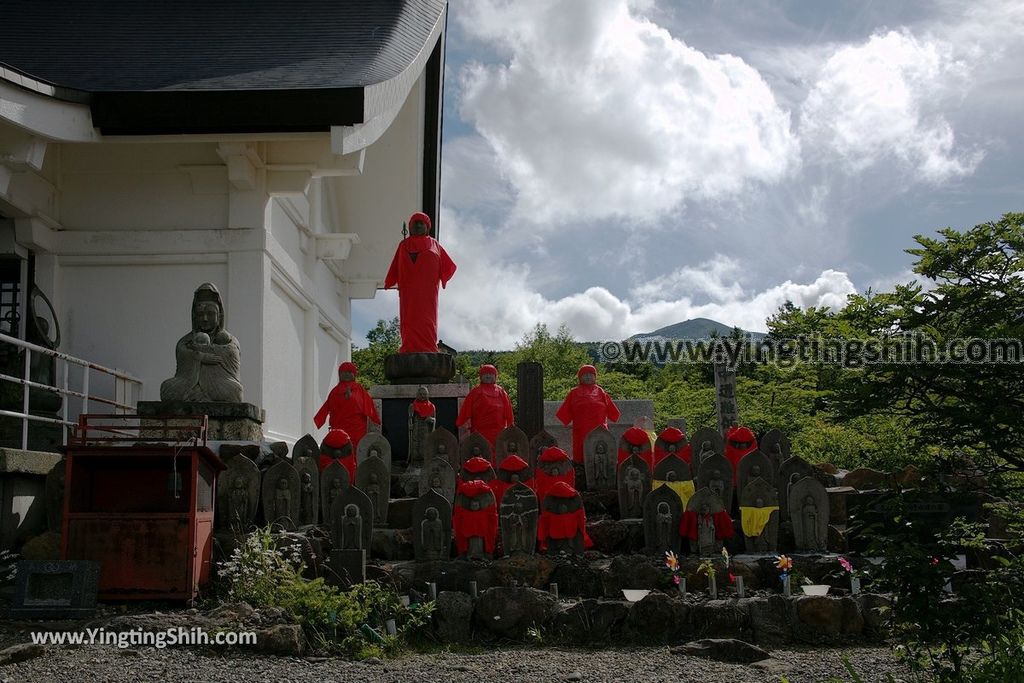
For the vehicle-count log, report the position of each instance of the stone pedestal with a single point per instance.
(394, 400)
(347, 567)
(226, 421)
(23, 501)
(419, 368)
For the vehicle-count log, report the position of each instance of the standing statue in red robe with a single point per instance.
(475, 516)
(348, 405)
(419, 267)
(487, 409)
(586, 406)
(563, 520)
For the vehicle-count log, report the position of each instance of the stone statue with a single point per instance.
(432, 534)
(419, 268)
(586, 407)
(282, 499)
(307, 508)
(601, 466)
(759, 516)
(486, 410)
(707, 544)
(207, 359)
(373, 491)
(663, 511)
(239, 497)
(422, 419)
(809, 511)
(664, 524)
(518, 520)
(599, 461)
(809, 514)
(352, 528)
(634, 488)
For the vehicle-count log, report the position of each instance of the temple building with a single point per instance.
(273, 149)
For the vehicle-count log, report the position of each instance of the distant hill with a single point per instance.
(698, 328)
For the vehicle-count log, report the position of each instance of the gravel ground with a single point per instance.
(102, 663)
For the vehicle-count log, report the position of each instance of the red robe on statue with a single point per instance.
(723, 525)
(635, 436)
(735, 453)
(545, 481)
(348, 405)
(672, 435)
(419, 267)
(512, 464)
(337, 438)
(467, 523)
(563, 525)
(586, 406)
(487, 409)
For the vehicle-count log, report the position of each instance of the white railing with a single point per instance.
(127, 389)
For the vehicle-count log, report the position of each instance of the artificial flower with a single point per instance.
(846, 564)
(784, 563)
(671, 561)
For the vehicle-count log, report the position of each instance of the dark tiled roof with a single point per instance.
(213, 45)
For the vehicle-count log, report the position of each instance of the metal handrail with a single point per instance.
(123, 382)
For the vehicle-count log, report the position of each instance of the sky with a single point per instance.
(622, 165)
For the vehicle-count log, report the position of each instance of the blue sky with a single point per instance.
(621, 165)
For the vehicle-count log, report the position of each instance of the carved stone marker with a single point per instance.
(422, 420)
(777, 447)
(705, 441)
(759, 516)
(373, 444)
(511, 441)
(281, 495)
(715, 473)
(333, 481)
(562, 514)
(351, 520)
(306, 447)
(726, 409)
(706, 505)
(809, 513)
(538, 443)
(432, 526)
(529, 399)
(600, 459)
(207, 357)
(674, 472)
(793, 470)
(634, 483)
(662, 513)
(752, 466)
(374, 479)
(238, 495)
(518, 517)
(444, 445)
(309, 490)
(475, 446)
(439, 476)
(475, 521)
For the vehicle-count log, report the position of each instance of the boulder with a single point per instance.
(769, 619)
(453, 616)
(722, 650)
(657, 618)
(45, 546)
(20, 653)
(509, 612)
(580, 578)
(719, 619)
(523, 570)
(281, 639)
(611, 536)
(590, 621)
(866, 479)
(391, 544)
(400, 513)
(875, 609)
(824, 619)
(634, 571)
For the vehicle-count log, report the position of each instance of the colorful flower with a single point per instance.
(671, 561)
(846, 564)
(732, 578)
(784, 563)
(725, 556)
(935, 561)
(675, 579)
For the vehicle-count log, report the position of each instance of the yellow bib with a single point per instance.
(754, 520)
(683, 489)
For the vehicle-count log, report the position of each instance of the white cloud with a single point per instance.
(596, 112)
(882, 100)
(492, 303)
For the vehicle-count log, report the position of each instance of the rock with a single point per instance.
(511, 611)
(866, 479)
(836, 542)
(400, 513)
(719, 619)
(21, 653)
(574, 676)
(769, 619)
(723, 650)
(524, 570)
(454, 575)
(657, 618)
(282, 639)
(45, 546)
(611, 536)
(590, 620)
(453, 616)
(823, 619)
(875, 609)
(234, 613)
(580, 578)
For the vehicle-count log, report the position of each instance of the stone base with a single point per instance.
(65, 589)
(419, 368)
(226, 421)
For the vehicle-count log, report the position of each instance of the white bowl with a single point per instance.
(818, 589)
(634, 595)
